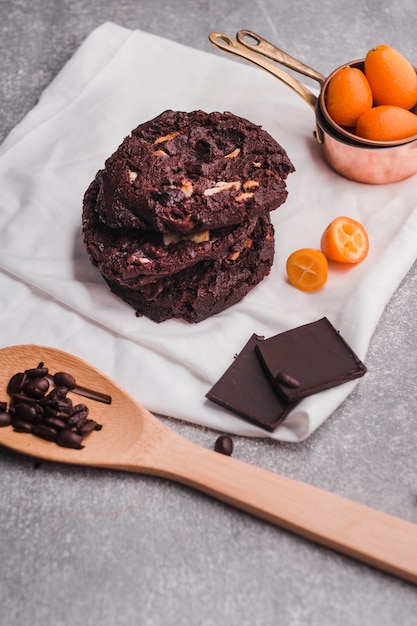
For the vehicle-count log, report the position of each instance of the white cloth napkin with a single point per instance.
(51, 293)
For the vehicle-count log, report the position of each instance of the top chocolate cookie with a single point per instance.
(188, 172)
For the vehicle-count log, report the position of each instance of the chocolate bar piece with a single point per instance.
(245, 390)
(308, 359)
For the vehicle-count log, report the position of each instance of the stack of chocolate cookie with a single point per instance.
(178, 221)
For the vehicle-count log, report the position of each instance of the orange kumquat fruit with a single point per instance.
(348, 95)
(345, 241)
(307, 269)
(392, 78)
(386, 123)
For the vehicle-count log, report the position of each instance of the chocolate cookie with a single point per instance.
(207, 287)
(183, 172)
(135, 257)
(178, 220)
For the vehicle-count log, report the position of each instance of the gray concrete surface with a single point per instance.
(89, 547)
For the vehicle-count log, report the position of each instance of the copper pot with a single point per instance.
(353, 157)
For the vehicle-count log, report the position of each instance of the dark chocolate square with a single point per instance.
(312, 358)
(245, 390)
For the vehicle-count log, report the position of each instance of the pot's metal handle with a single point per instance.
(231, 46)
(256, 43)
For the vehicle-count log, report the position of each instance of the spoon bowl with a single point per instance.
(132, 439)
(122, 426)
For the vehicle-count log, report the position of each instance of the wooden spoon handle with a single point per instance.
(376, 538)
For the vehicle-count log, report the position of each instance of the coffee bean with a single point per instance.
(61, 379)
(58, 393)
(45, 431)
(224, 445)
(37, 372)
(79, 412)
(26, 412)
(56, 403)
(5, 418)
(86, 426)
(22, 397)
(64, 407)
(36, 387)
(69, 439)
(80, 408)
(49, 410)
(3, 406)
(22, 427)
(16, 383)
(55, 422)
(287, 380)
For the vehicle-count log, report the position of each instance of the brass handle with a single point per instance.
(231, 46)
(256, 43)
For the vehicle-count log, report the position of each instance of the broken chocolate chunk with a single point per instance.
(245, 390)
(315, 355)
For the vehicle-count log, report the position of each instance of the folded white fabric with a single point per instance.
(116, 80)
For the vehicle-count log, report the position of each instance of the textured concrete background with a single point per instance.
(80, 546)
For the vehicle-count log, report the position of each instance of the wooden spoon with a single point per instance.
(134, 440)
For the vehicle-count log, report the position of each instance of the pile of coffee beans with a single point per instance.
(39, 404)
